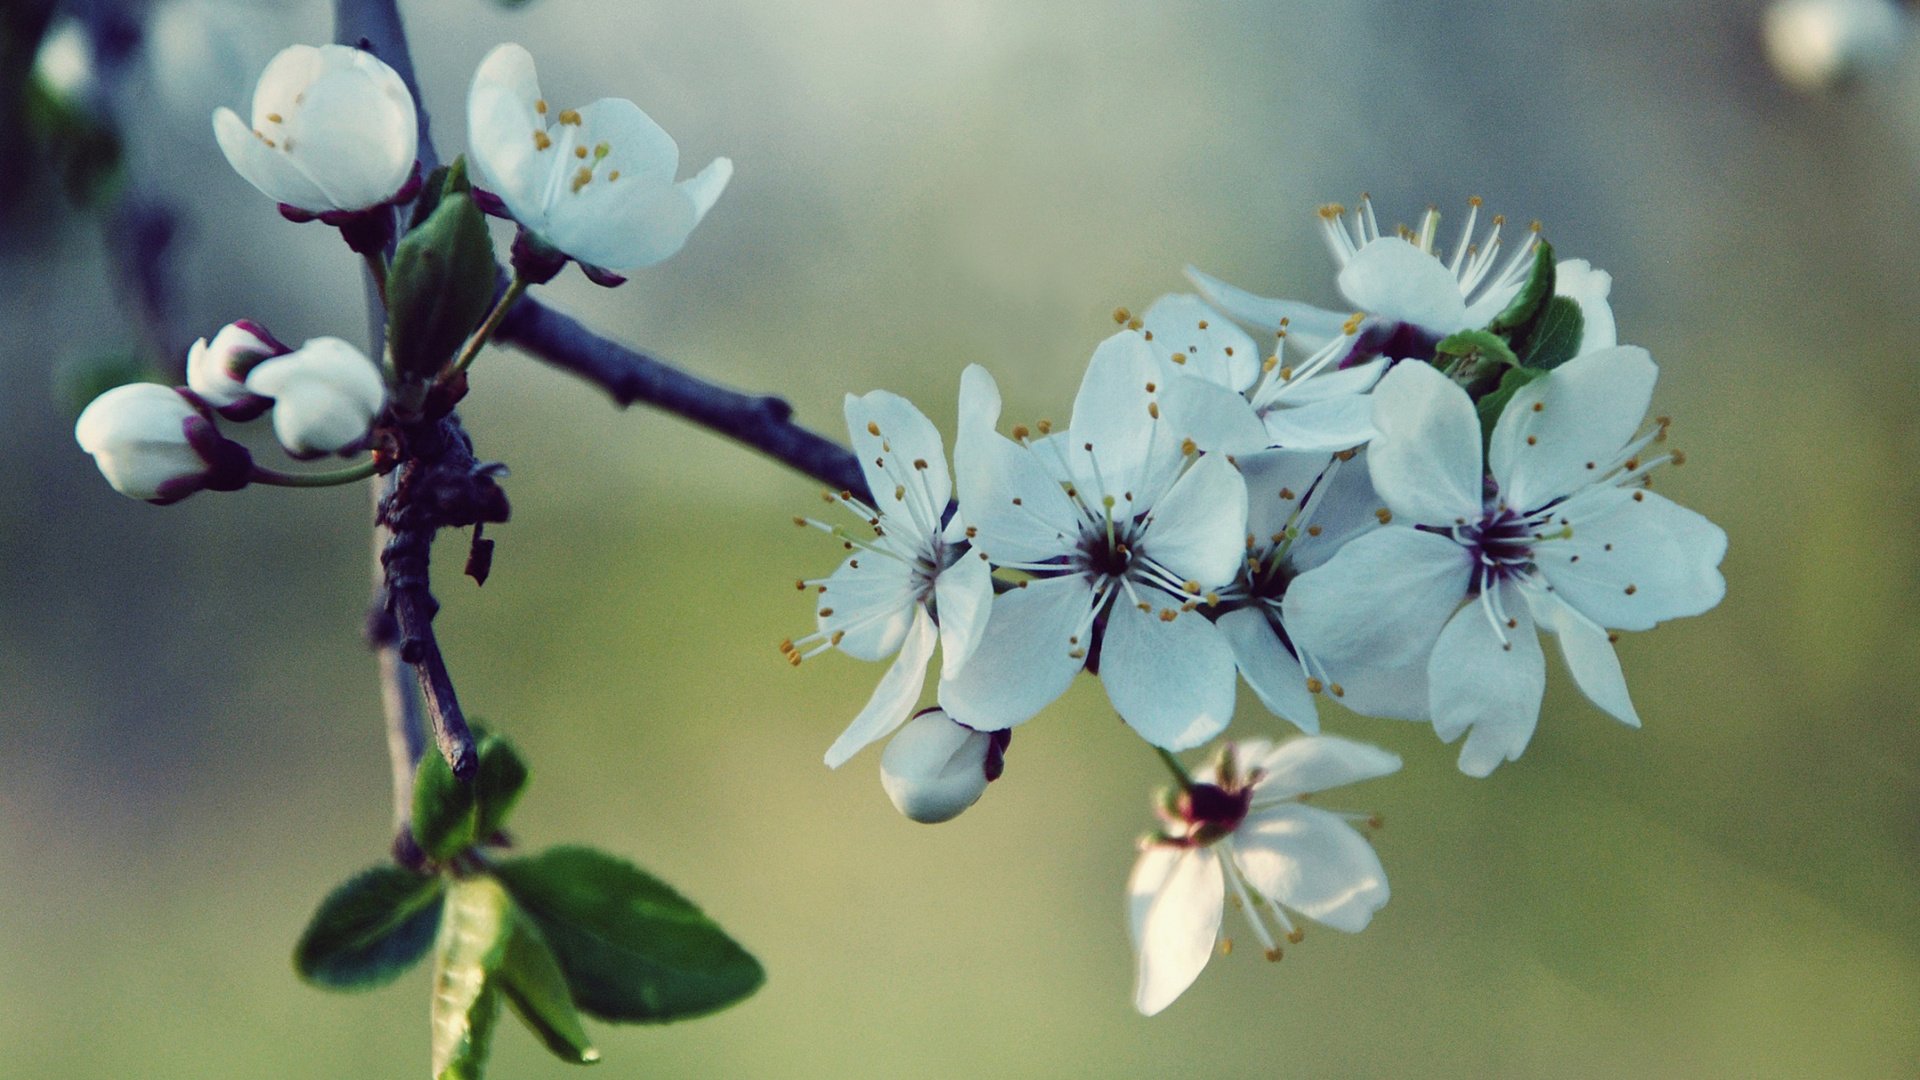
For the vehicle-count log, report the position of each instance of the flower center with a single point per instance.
(1103, 554)
(1502, 545)
(1212, 811)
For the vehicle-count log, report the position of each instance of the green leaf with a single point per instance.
(466, 1004)
(1491, 406)
(441, 282)
(429, 198)
(498, 785)
(370, 929)
(446, 818)
(533, 984)
(633, 950)
(1527, 303)
(1484, 344)
(1554, 337)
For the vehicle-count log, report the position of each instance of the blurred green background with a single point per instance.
(190, 741)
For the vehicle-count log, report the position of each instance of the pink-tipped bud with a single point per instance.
(151, 443)
(325, 396)
(217, 370)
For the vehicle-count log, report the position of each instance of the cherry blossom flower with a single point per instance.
(912, 584)
(153, 442)
(325, 396)
(217, 370)
(1122, 534)
(333, 133)
(935, 767)
(1556, 531)
(594, 183)
(1242, 826)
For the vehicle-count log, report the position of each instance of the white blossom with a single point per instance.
(151, 443)
(935, 767)
(325, 396)
(1242, 829)
(333, 130)
(217, 370)
(1122, 535)
(596, 182)
(912, 584)
(1556, 530)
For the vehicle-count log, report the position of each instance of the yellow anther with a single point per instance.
(826, 613)
(580, 152)
(540, 106)
(1269, 363)
(273, 118)
(1533, 440)
(1344, 455)
(1106, 501)
(612, 176)
(1296, 936)
(800, 521)
(582, 179)
(794, 658)
(1313, 530)
(873, 429)
(1474, 201)
(1166, 614)
(1313, 685)
(1332, 212)
(570, 116)
(1226, 946)
(1044, 426)
(1121, 315)
(1178, 358)
(920, 463)
(1286, 493)
(1134, 324)
(1274, 954)
(1352, 325)
(899, 492)
(1338, 690)
(1679, 457)
(1213, 599)
(1188, 447)
(1385, 515)
(541, 141)
(1193, 587)
(601, 150)
(786, 646)
(1153, 409)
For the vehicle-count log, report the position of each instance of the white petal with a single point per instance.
(894, 698)
(963, 593)
(991, 471)
(1114, 413)
(1381, 601)
(1577, 280)
(869, 600)
(1328, 384)
(501, 121)
(1171, 680)
(1333, 424)
(356, 143)
(269, 170)
(1318, 763)
(1425, 461)
(1277, 482)
(288, 74)
(1303, 321)
(1025, 659)
(1635, 559)
(1276, 677)
(1391, 279)
(1589, 655)
(1492, 686)
(1398, 693)
(703, 188)
(326, 394)
(1217, 419)
(1342, 507)
(1578, 417)
(934, 768)
(904, 461)
(1313, 862)
(620, 224)
(1175, 896)
(1199, 530)
(1209, 346)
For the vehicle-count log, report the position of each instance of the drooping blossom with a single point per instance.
(325, 395)
(154, 443)
(935, 767)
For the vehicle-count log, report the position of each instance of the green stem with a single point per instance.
(275, 478)
(499, 313)
(377, 267)
(1173, 764)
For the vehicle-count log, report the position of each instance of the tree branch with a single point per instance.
(761, 421)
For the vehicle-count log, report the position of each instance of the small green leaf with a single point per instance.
(1484, 344)
(370, 929)
(1554, 337)
(532, 982)
(1491, 406)
(471, 946)
(441, 283)
(429, 197)
(446, 817)
(633, 950)
(497, 787)
(1527, 303)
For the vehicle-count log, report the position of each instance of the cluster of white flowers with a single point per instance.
(1380, 506)
(334, 137)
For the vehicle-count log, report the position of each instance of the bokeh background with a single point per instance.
(190, 739)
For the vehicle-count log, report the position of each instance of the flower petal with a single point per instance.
(1116, 415)
(894, 698)
(1396, 693)
(703, 188)
(1026, 658)
(356, 143)
(1389, 278)
(1174, 898)
(1171, 680)
(502, 122)
(1207, 345)
(1313, 862)
(1425, 461)
(1277, 483)
(1564, 431)
(1490, 685)
(1216, 419)
(1588, 653)
(1342, 506)
(869, 600)
(1006, 494)
(1305, 323)
(1635, 559)
(1380, 602)
(904, 461)
(1275, 676)
(1333, 424)
(269, 170)
(1199, 530)
(1577, 280)
(620, 224)
(963, 593)
(1318, 763)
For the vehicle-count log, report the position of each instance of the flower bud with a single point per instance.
(935, 766)
(217, 370)
(325, 396)
(1816, 44)
(151, 443)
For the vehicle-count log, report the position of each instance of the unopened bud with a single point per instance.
(936, 767)
(151, 443)
(217, 370)
(325, 396)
